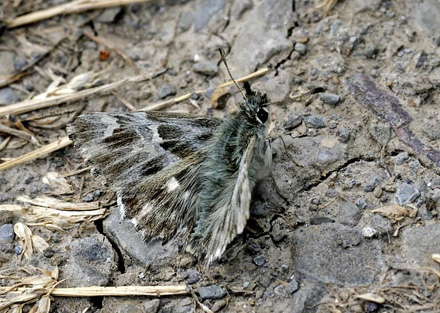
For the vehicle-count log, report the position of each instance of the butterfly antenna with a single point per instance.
(223, 56)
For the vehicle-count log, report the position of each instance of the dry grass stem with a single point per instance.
(168, 103)
(121, 291)
(68, 92)
(54, 203)
(19, 133)
(38, 153)
(67, 8)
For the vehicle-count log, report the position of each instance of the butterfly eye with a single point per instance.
(262, 115)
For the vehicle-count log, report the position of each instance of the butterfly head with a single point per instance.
(255, 106)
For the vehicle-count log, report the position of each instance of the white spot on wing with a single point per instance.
(121, 207)
(134, 221)
(112, 124)
(172, 184)
(156, 137)
(186, 195)
(145, 210)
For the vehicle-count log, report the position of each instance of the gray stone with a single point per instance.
(260, 46)
(20, 63)
(7, 62)
(293, 284)
(436, 195)
(205, 11)
(371, 5)
(214, 292)
(185, 21)
(301, 48)
(330, 98)
(343, 135)
(7, 232)
(109, 15)
(191, 276)
(426, 14)
(7, 96)
(406, 193)
(361, 203)
(278, 87)
(368, 232)
(381, 132)
(419, 243)
(91, 262)
(401, 158)
(349, 214)
(206, 68)
(327, 156)
(381, 225)
(333, 253)
(260, 260)
(185, 306)
(123, 233)
(314, 121)
(332, 193)
(167, 90)
(293, 121)
(414, 165)
(151, 306)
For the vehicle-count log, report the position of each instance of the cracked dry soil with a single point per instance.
(351, 162)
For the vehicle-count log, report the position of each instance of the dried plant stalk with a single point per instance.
(54, 203)
(67, 8)
(97, 291)
(41, 152)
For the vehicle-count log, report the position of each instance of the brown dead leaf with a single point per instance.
(394, 212)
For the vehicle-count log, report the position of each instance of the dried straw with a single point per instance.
(41, 152)
(67, 8)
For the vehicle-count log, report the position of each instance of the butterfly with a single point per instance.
(180, 176)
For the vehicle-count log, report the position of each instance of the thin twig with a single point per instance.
(41, 152)
(67, 8)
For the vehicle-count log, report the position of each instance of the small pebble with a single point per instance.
(293, 121)
(206, 68)
(214, 292)
(301, 48)
(167, 90)
(343, 135)
(330, 99)
(361, 203)
(260, 260)
(377, 192)
(314, 121)
(6, 232)
(406, 193)
(368, 232)
(401, 158)
(7, 96)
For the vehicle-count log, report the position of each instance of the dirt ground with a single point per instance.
(348, 219)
